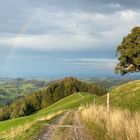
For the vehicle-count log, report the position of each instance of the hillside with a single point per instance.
(109, 82)
(63, 114)
(47, 96)
(30, 126)
(15, 88)
(11, 89)
(125, 96)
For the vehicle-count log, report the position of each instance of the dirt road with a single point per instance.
(66, 127)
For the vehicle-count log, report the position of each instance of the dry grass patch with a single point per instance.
(50, 116)
(13, 132)
(118, 124)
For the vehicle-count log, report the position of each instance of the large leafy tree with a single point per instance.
(128, 53)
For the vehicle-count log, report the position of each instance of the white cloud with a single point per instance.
(77, 30)
(53, 42)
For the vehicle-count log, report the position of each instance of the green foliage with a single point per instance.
(129, 53)
(54, 92)
(5, 113)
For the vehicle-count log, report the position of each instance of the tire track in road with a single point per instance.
(76, 132)
(66, 127)
(49, 131)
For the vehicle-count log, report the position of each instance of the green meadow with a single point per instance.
(71, 102)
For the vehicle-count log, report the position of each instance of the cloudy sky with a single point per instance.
(63, 37)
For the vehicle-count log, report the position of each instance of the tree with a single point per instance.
(128, 53)
(55, 91)
(5, 113)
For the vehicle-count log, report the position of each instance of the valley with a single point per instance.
(11, 89)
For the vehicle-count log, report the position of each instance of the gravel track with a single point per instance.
(49, 131)
(59, 130)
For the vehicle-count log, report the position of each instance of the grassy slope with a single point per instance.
(119, 123)
(125, 96)
(108, 83)
(70, 102)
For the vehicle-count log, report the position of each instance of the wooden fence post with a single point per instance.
(108, 102)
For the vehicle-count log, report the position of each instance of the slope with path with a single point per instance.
(66, 127)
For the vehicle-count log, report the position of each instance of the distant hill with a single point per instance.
(15, 88)
(5, 80)
(125, 96)
(108, 82)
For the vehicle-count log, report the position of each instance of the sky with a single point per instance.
(63, 37)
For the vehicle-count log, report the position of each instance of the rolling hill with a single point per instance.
(109, 82)
(125, 96)
(15, 88)
(40, 99)
(27, 127)
(19, 87)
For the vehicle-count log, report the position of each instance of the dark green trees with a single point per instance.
(128, 53)
(5, 113)
(54, 92)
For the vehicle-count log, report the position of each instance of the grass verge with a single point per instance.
(20, 126)
(115, 125)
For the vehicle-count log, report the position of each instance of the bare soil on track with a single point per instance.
(66, 127)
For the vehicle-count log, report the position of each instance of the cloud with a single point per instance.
(85, 32)
(56, 20)
(73, 31)
(86, 5)
(50, 42)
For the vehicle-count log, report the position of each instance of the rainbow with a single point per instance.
(18, 38)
